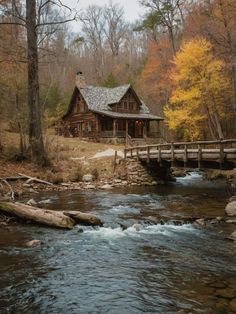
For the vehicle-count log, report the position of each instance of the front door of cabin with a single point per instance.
(135, 129)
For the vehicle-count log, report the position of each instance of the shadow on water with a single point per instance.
(148, 267)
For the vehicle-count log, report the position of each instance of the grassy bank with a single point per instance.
(70, 158)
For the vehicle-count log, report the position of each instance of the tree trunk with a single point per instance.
(234, 85)
(42, 216)
(35, 129)
(172, 39)
(84, 218)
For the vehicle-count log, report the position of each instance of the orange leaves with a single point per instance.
(154, 79)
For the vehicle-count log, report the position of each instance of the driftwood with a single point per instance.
(15, 178)
(9, 186)
(83, 218)
(31, 179)
(52, 218)
(42, 216)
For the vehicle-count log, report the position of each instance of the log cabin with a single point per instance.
(105, 114)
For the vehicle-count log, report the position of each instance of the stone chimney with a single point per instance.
(80, 80)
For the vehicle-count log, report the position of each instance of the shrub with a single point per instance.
(12, 153)
(95, 173)
(77, 173)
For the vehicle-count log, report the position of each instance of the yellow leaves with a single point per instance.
(200, 87)
(189, 95)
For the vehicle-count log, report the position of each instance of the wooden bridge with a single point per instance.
(219, 154)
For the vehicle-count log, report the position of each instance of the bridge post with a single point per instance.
(185, 155)
(159, 155)
(172, 154)
(221, 154)
(125, 153)
(148, 154)
(199, 155)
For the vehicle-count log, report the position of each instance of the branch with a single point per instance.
(10, 188)
(30, 179)
(12, 23)
(56, 23)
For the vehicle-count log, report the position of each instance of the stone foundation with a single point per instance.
(137, 173)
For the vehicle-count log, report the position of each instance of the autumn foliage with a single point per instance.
(180, 57)
(200, 91)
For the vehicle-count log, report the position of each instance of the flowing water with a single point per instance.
(154, 265)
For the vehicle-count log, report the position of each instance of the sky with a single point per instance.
(131, 7)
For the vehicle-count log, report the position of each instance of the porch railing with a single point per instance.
(111, 134)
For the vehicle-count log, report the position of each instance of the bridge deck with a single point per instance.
(219, 152)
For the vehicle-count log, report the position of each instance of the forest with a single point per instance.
(180, 56)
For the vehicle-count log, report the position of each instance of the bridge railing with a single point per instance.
(199, 145)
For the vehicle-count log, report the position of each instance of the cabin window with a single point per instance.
(89, 126)
(132, 106)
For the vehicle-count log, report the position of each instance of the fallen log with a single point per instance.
(42, 216)
(83, 218)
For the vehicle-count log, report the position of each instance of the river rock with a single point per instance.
(117, 181)
(33, 243)
(226, 293)
(137, 227)
(201, 221)
(33, 191)
(26, 185)
(46, 201)
(90, 187)
(87, 178)
(231, 221)
(179, 173)
(230, 209)
(106, 187)
(154, 183)
(233, 236)
(31, 202)
(233, 305)
(232, 199)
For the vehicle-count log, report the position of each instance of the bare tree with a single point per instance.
(36, 21)
(93, 27)
(115, 26)
(221, 31)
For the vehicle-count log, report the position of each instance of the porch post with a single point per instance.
(126, 131)
(97, 124)
(114, 128)
(144, 129)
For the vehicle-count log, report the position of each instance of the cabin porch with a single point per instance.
(129, 128)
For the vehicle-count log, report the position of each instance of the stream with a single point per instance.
(158, 263)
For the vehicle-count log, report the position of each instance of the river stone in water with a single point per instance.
(233, 236)
(33, 243)
(201, 221)
(230, 209)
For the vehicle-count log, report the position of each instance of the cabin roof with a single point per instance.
(99, 98)
(147, 116)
